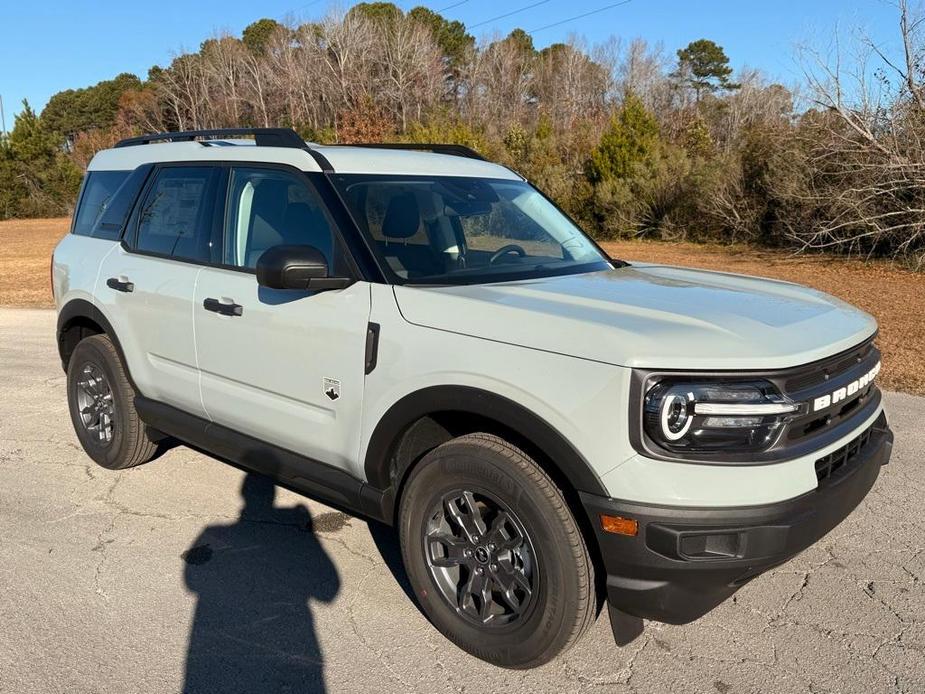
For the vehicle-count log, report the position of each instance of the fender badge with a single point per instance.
(331, 387)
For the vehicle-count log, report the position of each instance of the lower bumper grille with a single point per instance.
(842, 458)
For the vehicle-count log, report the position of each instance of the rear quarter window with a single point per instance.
(97, 192)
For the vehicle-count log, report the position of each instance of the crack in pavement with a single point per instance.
(377, 654)
(101, 544)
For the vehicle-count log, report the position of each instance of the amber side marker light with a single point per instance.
(619, 525)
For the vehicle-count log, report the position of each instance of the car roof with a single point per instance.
(343, 158)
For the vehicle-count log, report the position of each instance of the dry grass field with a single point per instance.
(25, 260)
(892, 294)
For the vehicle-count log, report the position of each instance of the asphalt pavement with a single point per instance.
(186, 574)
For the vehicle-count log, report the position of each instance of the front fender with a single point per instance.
(475, 401)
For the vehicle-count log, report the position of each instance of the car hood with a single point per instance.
(649, 316)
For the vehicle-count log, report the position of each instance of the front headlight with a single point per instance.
(687, 415)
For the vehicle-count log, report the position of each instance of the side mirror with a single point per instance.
(297, 267)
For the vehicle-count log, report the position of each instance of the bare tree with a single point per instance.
(867, 146)
(498, 82)
(755, 103)
(640, 69)
(184, 88)
(568, 85)
(340, 47)
(412, 68)
(223, 58)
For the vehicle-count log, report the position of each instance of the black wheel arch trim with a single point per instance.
(385, 438)
(76, 309)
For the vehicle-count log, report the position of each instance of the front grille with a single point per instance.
(819, 372)
(824, 378)
(843, 458)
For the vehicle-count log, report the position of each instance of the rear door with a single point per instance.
(285, 367)
(146, 285)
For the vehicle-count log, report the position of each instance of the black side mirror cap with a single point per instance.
(297, 267)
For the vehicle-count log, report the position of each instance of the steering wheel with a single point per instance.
(505, 250)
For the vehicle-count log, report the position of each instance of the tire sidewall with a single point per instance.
(91, 351)
(546, 626)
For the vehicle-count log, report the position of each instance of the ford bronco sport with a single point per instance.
(419, 336)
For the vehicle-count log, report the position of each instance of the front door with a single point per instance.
(285, 367)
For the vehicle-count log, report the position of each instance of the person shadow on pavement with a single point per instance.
(253, 630)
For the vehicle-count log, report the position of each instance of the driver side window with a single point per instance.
(271, 207)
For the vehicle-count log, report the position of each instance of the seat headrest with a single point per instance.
(402, 217)
(271, 197)
(299, 217)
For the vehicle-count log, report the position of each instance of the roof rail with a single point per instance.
(264, 137)
(455, 150)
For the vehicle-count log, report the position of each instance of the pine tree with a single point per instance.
(704, 67)
(630, 139)
(44, 181)
(256, 35)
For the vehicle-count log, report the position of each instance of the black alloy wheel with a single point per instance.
(480, 557)
(496, 559)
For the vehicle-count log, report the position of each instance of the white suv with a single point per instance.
(423, 338)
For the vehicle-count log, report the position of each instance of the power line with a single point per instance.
(297, 10)
(307, 5)
(450, 7)
(508, 14)
(580, 16)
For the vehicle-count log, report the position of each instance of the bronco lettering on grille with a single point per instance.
(846, 391)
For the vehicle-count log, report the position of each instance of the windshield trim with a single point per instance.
(342, 181)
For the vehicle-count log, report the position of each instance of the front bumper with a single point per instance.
(684, 561)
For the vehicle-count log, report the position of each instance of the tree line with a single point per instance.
(628, 138)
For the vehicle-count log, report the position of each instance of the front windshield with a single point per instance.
(463, 230)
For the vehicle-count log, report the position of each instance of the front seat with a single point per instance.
(268, 209)
(305, 225)
(401, 222)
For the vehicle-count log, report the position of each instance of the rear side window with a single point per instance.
(98, 190)
(177, 215)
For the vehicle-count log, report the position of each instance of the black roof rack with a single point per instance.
(455, 150)
(264, 137)
(286, 137)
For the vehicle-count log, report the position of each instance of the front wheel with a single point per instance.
(494, 554)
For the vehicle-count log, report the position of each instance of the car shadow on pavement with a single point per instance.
(255, 579)
(387, 543)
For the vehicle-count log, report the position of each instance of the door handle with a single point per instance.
(120, 284)
(216, 306)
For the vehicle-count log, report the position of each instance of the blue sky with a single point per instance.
(50, 45)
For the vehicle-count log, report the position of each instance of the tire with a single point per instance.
(110, 431)
(552, 558)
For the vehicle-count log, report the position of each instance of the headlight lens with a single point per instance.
(693, 416)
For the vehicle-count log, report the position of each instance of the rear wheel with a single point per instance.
(494, 554)
(102, 407)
